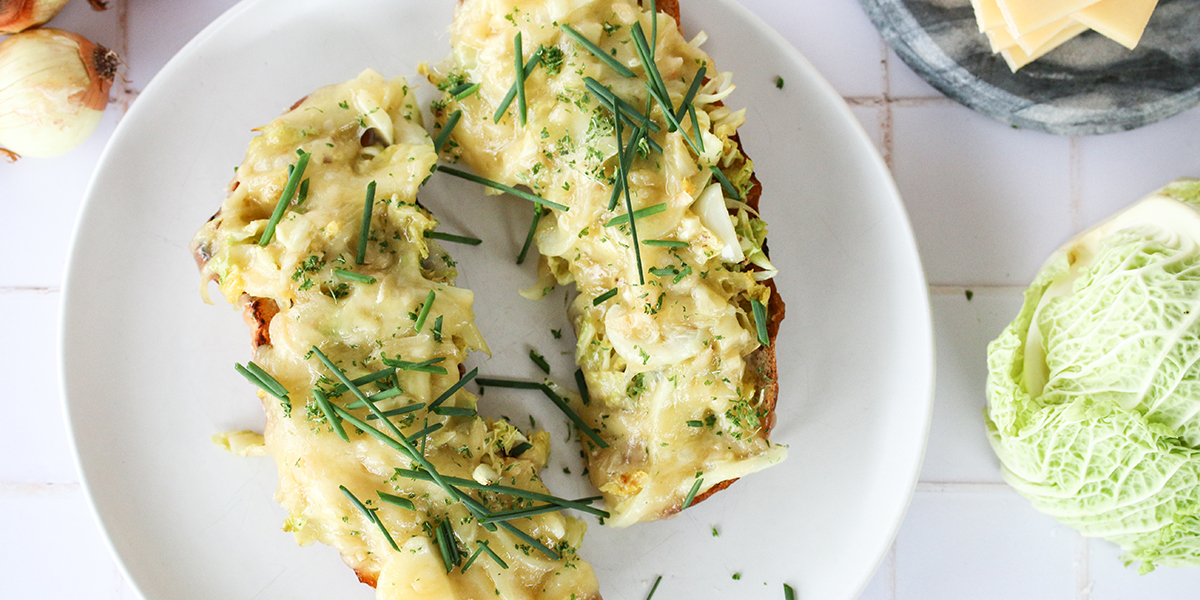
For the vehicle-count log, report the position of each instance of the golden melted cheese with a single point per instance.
(665, 362)
(359, 324)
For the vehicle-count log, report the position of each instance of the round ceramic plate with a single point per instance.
(148, 367)
(1089, 85)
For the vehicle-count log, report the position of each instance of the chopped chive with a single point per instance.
(725, 183)
(500, 186)
(443, 136)
(637, 246)
(697, 81)
(637, 214)
(519, 60)
(505, 490)
(665, 243)
(788, 592)
(454, 388)
(597, 51)
(454, 411)
(340, 389)
(425, 366)
(437, 328)
(352, 276)
(622, 183)
(760, 321)
(478, 510)
(696, 127)
(444, 543)
(450, 237)
(390, 413)
(341, 375)
(779, 82)
(627, 112)
(537, 218)
(626, 162)
(520, 449)
(425, 308)
(583, 388)
(665, 105)
(488, 549)
(654, 588)
(528, 539)
(598, 300)
(651, 67)
(396, 500)
(667, 272)
(266, 378)
(562, 405)
(471, 561)
(539, 360)
(260, 384)
(288, 189)
(303, 195)
(534, 61)
(327, 408)
(654, 27)
(354, 499)
(386, 534)
(424, 432)
(365, 231)
(510, 384)
(524, 513)
(692, 494)
(460, 88)
(694, 423)
(466, 92)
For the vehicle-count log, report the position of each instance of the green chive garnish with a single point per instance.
(288, 190)
(425, 431)
(500, 186)
(654, 27)
(471, 561)
(598, 300)
(692, 494)
(760, 321)
(454, 388)
(425, 366)
(512, 91)
(466, 92)
(267, 379)
(637, 214)
(537, 218)
(597, 52)
(637, 247)
(697, 81)
(389, 413)
(437, 328)
(695, 423)
(396, 500)
(450, 237)
(444, 135)
(627, 112)
(665, 104)
(650, 66)
(386, 534)
(523, 513)
(725, 183)
(583, 388)
(696, 128)
(528, 539)
(453, 411)
(520, 449)
(655, 588)
(425, 308)
(540, 361)
(365, 231)
(788, 592)
(554, 397)
(340, 389)
(471, 484)
(665, 243)
(327, 408)
(460, 88)
(519, 65)
(446, 545)
(488, 549)
(779, 82)
(303, 195)
(354, 499)
(401, 445)
(352, 276)
(667, 272)
(341, 375)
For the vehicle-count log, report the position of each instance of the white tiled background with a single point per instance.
(988, 204)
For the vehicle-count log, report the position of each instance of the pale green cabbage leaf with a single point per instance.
(1094, 389)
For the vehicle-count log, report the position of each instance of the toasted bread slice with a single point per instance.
(682, 390)
(406, 514)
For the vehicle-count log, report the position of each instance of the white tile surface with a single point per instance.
(983, 545)
(988, 203)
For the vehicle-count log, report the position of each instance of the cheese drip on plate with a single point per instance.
(413, 540)
(678, 388)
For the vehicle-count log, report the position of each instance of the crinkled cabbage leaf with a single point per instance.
(1094, 390)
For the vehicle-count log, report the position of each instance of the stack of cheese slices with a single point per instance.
(1024, 30)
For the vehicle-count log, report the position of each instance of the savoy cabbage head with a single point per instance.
(1094, 389)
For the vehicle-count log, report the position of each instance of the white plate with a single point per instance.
(147, 366)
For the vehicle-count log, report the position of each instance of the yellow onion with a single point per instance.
(19, 15)
(53, 90)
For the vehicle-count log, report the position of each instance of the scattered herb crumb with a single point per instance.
(715, 532)
(788, 592)
(779, 82)
(970, 295)
(737, 576)
(557, 333)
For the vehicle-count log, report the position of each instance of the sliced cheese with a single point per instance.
(1122, 21)
(1026, 16)
(988, 15)
(1017, 58)
(1002, 38)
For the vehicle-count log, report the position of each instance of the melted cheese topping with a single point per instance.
(361, 131)
(665, 362)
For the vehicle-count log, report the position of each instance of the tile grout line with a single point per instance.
(35, 490)
(1076, 185)
(886, 120)
(34, 289)
(941, 289)
(963, 487)
(890, 563)
(1083, 568)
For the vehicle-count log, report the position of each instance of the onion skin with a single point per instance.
(19, 15)
(53, 90)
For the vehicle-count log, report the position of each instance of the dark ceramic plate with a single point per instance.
(1088, 86)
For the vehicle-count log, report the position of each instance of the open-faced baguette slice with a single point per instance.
(395, 316)
(679, 364)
